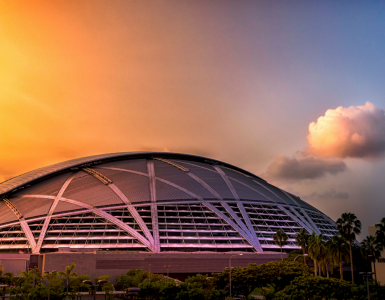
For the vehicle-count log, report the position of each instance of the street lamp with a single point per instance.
(230, 269)
(149, 273)
(367, 275)
(300, 255)
(168, 268)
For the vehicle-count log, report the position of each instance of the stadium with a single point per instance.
(149, 202)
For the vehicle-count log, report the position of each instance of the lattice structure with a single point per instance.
(158, 202)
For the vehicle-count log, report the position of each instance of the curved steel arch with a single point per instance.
(102, 214)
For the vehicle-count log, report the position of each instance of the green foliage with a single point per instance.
(316, 288)
(103, 277)
(40, 292)
(302, 240)
(371, 246)
(380, 233)
(77, 281)
(273, 274)
(280, 238)
(67, 274)
(160, 290)
(131, 279)
(9, 278)
(197, 287)
(377, 291)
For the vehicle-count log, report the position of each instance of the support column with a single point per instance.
(154, 207)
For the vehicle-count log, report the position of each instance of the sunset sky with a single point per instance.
(292, 91)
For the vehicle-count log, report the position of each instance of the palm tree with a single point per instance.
(380, 233)
(348, 226)
(302, 240)
(9, 278)
(27, 276)
(339, 252)
(68, 274)
(50, 276)
(312, 253)
(317, 251)
(371, 246)
(280, 239)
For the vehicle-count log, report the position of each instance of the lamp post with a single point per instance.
(230, 269)
(300, 255)
(149, 273)
(367, 275)
(168, 268)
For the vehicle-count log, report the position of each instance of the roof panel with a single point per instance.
(63, 206)
(167, 192)
(174, 175)
(32, 207)
(50, 186)
(139, 165)
(89, 190)
(6, 214)
(246, 193)
(135, 187)
(214, 180)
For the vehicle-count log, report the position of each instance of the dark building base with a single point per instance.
(181, 265)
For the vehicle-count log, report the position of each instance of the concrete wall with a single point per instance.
(14, 262)
(181, 263)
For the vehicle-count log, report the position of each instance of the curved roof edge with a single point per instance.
(14, 183)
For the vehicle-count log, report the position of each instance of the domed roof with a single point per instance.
(105, 184)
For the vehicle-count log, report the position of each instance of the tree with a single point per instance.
(9, 278)
(27, 275)
(280, 239)
(302, 240)
(317, 251)
(349, 226)
(274, 274)
(339, 252)
(380, 233)
(68, 274)
(50, 277)
(310, 287)
(371, 246)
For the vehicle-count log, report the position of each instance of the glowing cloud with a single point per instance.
(356, 131)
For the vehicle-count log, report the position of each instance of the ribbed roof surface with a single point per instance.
(29, 177)
(155, 200)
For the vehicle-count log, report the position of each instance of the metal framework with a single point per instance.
(151, 202)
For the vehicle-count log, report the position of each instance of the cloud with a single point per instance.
(331, 194)
(304, 167)
(356, 131)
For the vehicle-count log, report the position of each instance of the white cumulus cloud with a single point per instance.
(355, 131)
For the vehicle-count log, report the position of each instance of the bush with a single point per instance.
(274, 274)
(316, 288)
(377, 291)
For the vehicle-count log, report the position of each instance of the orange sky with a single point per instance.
(83, 77)
(239, 81)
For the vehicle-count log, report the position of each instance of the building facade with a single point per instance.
(150, 202)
